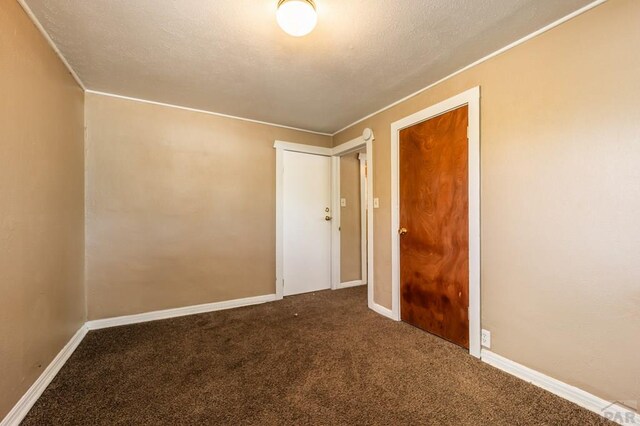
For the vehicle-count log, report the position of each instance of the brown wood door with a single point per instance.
(434, 251)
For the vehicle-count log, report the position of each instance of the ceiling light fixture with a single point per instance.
(297, 17)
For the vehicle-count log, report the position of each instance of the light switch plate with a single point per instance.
(376, 203)
(343, 202)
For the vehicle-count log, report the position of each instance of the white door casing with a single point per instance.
(471, 98)
(282, 147)
(364, 141)
(362, 157)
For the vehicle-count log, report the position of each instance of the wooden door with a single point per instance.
(434, 226)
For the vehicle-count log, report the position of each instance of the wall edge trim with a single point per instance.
(24, 404)
(52, 44)
(178, 312)
(584, 399)
(480, 61)
(524, 39)
(204, 111)
(381, 310)
(349, 284)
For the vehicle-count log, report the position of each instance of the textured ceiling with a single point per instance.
(230, 57)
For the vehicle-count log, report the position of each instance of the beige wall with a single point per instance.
(560, 199)
(41, 205)
(350, 231)
(180, 206)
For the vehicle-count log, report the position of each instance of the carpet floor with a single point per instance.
(319, 358)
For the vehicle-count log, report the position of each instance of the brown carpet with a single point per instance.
(320, 358)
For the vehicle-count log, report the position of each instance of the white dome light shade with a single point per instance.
(297, 17)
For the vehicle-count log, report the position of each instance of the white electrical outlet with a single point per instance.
(486, 339)
(376, 203)
(343, 202)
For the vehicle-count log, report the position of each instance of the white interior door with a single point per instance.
(307, 232)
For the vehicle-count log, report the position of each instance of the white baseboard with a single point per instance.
(21, 409)
(350, 284)
(382, 310)
(178, 312)
(612, 411)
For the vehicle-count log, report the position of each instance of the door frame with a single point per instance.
(354, 145)
(471, 98)
(364, 208)
(364, 141)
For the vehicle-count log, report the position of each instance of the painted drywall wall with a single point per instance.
(560, 194)
(350, 231)
(180, 206)
(41, 205)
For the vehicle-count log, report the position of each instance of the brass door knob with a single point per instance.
(328, 218)
(402, 231)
